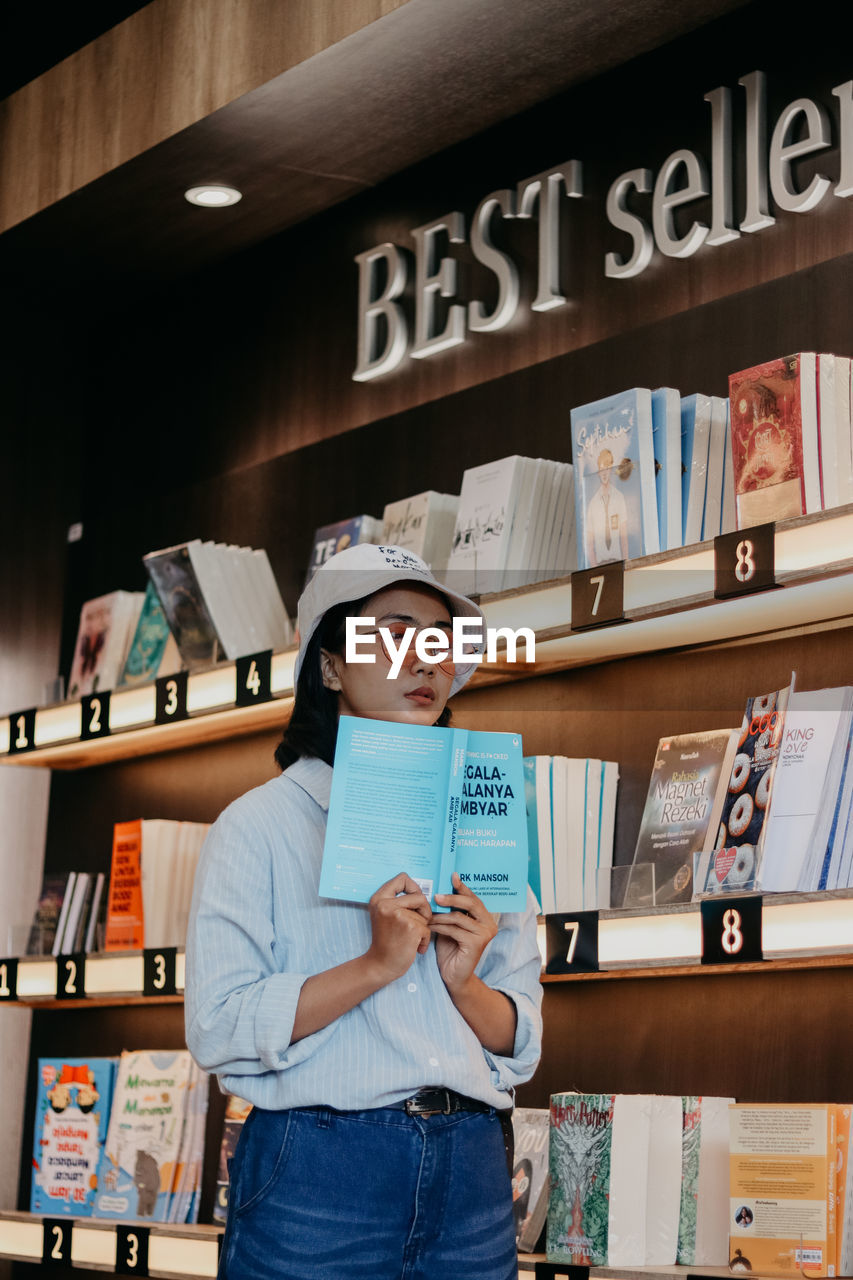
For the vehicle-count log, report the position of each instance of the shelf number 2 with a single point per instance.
(59, 1238)
(95, 722)
(70, 987)
(732, 939)
(745, 566)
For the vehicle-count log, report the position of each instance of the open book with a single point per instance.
(427, 801)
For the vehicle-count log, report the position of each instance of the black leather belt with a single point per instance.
(430, 1102)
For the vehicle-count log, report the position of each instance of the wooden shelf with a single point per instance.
(110, 978)
(174, 1252)
(527, 1263)
(669, 604)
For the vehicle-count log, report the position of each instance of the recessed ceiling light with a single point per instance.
(213, 196)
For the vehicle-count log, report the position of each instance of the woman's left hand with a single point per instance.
(462, 934)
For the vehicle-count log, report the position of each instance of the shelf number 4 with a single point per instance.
(253, 679)
(254, 676)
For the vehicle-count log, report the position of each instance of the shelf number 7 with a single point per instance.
(573, 928)
(598, 582)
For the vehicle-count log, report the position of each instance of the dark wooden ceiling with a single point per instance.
(428, 75)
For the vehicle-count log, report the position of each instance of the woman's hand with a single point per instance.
(463, 934)
(400, 919)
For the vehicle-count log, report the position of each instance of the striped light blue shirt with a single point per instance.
(258, 929)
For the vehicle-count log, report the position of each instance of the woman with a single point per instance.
(378, 1044)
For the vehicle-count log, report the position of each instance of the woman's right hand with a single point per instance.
(400, 920)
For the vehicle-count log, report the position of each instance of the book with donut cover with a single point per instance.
(684, 780)
(738, 845)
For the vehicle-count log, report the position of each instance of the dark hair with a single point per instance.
(312, 729)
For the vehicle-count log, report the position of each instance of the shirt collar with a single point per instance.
(314, 777)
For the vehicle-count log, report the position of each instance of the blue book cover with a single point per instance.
(427, 801)
(695, 441)
(614, 471)
(148, 643)
(142, 1147)
(533, 874)
(666, 435)
(72, 1111)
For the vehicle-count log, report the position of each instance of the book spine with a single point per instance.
(447, 860)
(63, 914)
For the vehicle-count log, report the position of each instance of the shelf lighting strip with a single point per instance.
(106, 975)
(170, 1253)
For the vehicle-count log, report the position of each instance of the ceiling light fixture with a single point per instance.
(213, 196)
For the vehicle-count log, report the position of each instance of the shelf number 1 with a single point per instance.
(8, 979)
(22, 741)
(22, 731)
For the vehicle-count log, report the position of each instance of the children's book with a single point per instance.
(427, 801)
(739, 842)
(775, 439)
(782, 1214)
(614, 473)
(530, 1127)
(137, 1169)
(685, 775)
(72, 1111)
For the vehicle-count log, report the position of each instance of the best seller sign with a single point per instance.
(647, 211)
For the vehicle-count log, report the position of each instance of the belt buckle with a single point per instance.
(414, 1109)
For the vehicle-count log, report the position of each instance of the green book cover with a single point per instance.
(579, 1160)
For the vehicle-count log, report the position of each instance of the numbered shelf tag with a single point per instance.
(95, 719)
(254, 678)
(571, 942)
(559, 1271)
(8, 980)
(132, 1249)
(744, 561)
(159, 965)
(598, 596)
(71, 976)
(22, 731)
(170, 695)
(56, 1242)
(731, 930)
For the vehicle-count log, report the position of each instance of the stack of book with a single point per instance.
(638, 1180)
(83, 909)
(219, 601)
(515, 525)
(329, 539)
(571, 814)
(791, 437)
(652, 472)
(423, 524)
(119, 1138)
(151, 882)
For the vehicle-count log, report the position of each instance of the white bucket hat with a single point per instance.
(361, 571)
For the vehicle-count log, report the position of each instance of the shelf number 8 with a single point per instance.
(732, 940)
(745, 567)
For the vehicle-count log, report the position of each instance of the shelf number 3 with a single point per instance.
(159, 979)
(170, 706)
(132, 1257)
(745, 567)
(732, 940)
(59, 1240)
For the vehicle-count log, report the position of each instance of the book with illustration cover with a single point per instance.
(530, 1127)
(776, 439)
(598, 1161)
(488, 504)
(734, 861)
(178, 574)
(329, 539)
(103, 636)
(614, 474)
(73, 1098)
(704, 1212)
(150, 642)
(684, 780)
(424, 524)
(137, 1169)
(428, 801)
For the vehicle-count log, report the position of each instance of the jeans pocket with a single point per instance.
(260, 1158)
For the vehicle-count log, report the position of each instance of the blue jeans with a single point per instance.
(318, 1194)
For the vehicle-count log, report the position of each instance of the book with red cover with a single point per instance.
(776, 439)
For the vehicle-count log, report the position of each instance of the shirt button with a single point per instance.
(433, 1062)
(413, 986)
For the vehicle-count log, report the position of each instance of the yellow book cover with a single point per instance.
(783, 1163)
